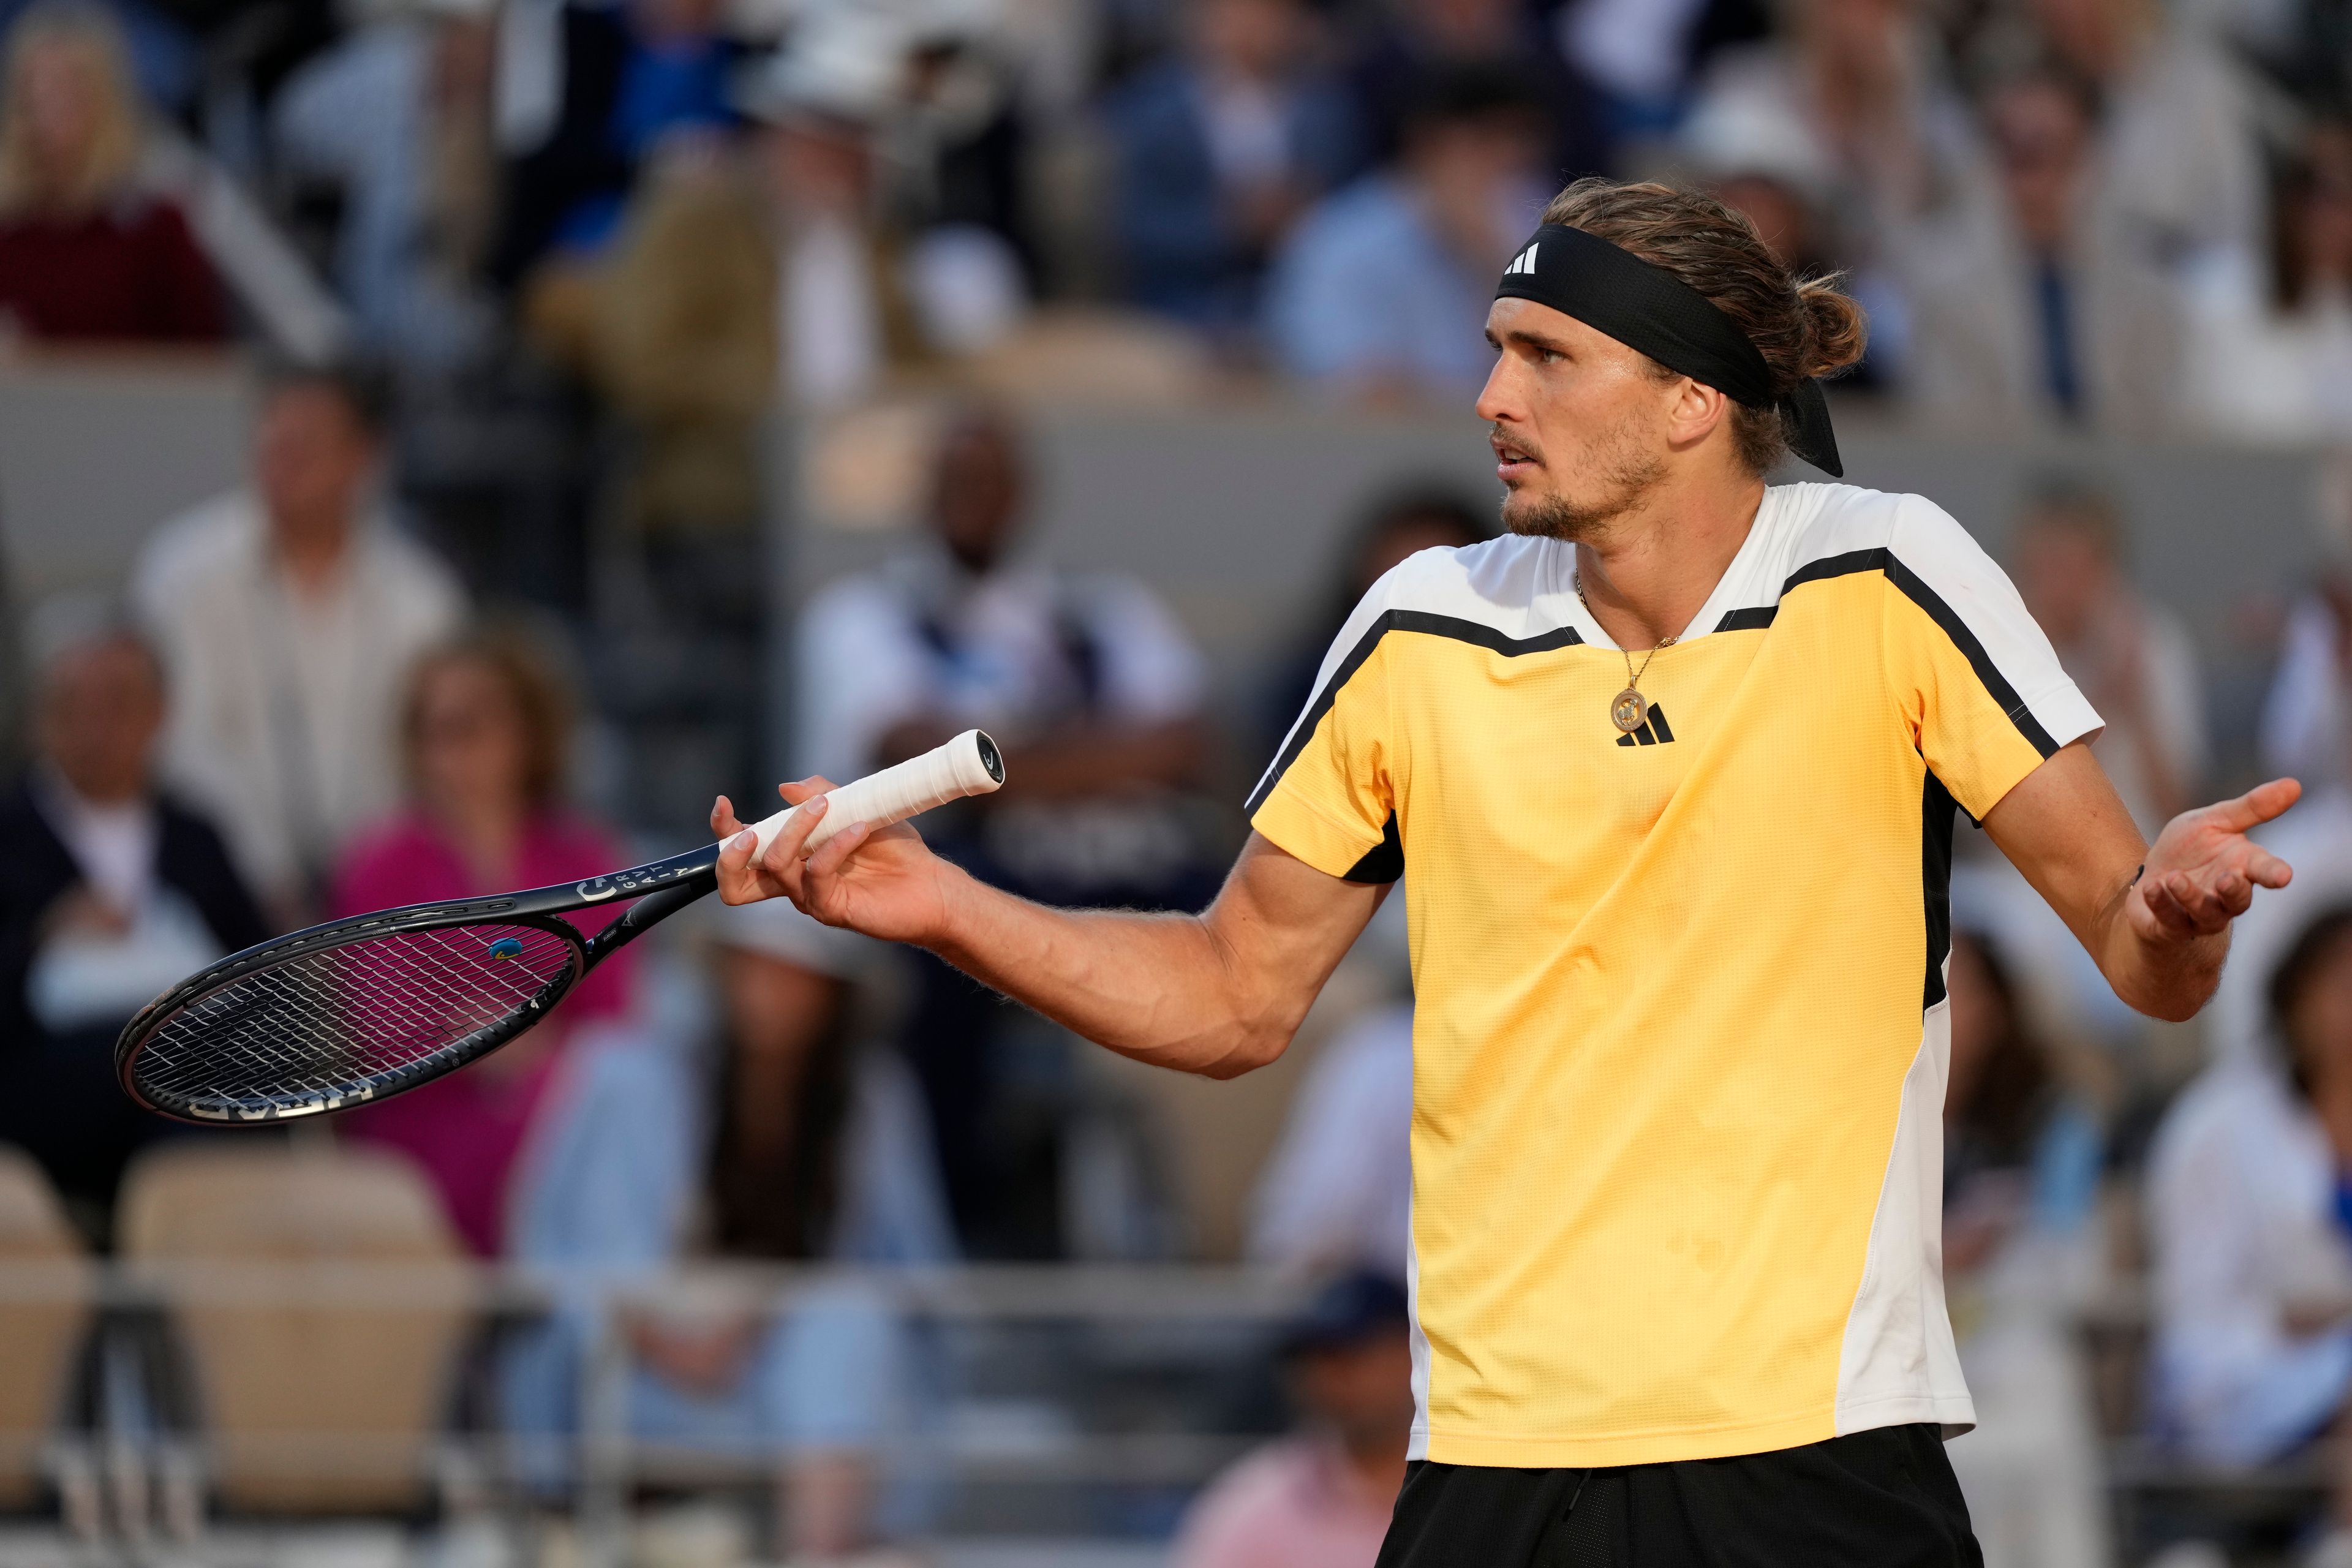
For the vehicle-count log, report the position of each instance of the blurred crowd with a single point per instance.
(532, 280)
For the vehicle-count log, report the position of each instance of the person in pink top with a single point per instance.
(1323, 1498)
(485, 732)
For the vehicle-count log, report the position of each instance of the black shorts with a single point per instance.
(1882, 1499)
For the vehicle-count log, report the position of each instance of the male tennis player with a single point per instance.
(1675, 766)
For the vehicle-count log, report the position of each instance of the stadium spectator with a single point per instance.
(88, 251)
(111, 892)
(1851, 106)
(2250, 1214)
(1321, 1498)
(1093, 690)
(1415, 41)
(627, 78)
(393, 126)
(1382, 293)
(782, 1138)
(1337, 1193)
(288, 613)
(2022, 1154)
(2179, 162)
(2039, 304)
(1413, 517)
(1219, 151)
(485, 730)
(2268, 356)
(2132, 657)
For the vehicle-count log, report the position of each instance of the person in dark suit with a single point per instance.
(110, 892)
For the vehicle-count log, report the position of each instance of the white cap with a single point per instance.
(774, 928)
(840, 64)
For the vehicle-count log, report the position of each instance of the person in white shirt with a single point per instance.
(287, 614)
(1093, 690)
(2269, 348)
(2251, 1213)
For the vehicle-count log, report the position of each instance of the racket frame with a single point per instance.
(658, 889)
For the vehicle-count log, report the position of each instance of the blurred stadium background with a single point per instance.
(443, 442)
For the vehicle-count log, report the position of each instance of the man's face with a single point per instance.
(2044, 141)
(976, 495)
(312, 459)
(102, 707)
(2064, 574)
(1248, 38)
(1580, 423)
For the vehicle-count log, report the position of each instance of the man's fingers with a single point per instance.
(722, 819)
(784, 851)
(808, 788)
(2262, 804)
(2166, 907)
(836, 850)
(2266, 869)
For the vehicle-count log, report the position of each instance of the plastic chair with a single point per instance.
(322, 1304)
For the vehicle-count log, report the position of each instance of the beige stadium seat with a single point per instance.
(322, 1303)
(44, 1301)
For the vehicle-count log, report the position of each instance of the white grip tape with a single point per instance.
(947, 773)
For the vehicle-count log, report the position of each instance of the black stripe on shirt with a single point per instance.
(1424, 621)
(1915, 588)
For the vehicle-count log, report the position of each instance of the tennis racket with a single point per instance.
(358, 1009)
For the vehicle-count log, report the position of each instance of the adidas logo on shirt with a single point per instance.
(1523, 263)
(1654, 733)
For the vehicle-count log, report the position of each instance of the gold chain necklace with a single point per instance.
(1629, 711)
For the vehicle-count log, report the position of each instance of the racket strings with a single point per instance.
(324, 1025)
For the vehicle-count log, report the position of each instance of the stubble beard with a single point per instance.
(1622, 474)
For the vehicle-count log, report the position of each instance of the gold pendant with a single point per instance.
(1630, 711)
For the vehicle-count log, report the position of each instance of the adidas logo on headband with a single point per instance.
(1524, 262)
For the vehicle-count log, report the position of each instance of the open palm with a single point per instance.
(2202, 869)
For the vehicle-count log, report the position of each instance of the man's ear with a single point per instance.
(1693, 411)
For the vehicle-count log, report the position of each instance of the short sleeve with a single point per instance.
(1329, 797)
(1979, 681)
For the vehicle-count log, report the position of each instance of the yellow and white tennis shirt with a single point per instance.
(1680, 1042)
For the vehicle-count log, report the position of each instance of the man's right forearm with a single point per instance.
(1161, 988)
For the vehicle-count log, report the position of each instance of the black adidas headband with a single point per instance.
(1652, 312)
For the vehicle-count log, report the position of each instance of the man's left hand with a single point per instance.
(2202, 869)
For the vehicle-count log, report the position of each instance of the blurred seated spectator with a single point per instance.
(780, 1137)
(2034, 305)
(2131, 657)
(2022, 1156)
(287, 614)
(110, 893)
(961, 143)
(485, 737)
(2250, 1211)
(1414, 41)
(2269, 357)
(1321, 1498)
(2177, 152)
(1093, 690)
(1219, 151)
(1381, 293)
(1337, 1193)
(1415, 517)
(88, 251)
(392, 128)
(1851, 109)
(626, 77)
